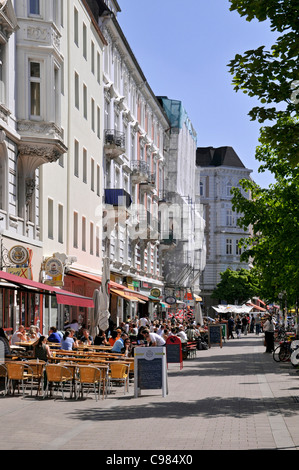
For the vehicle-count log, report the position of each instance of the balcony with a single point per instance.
(167, 240)
(115, 144)
(117, 204)
(150, 184)
(140, 171)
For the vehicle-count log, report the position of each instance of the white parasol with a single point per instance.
(103, 311)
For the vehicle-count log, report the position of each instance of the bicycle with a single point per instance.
(283, 352)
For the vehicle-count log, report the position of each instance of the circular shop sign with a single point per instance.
(18, 255)
(155, 292)
(53, 267)
(170, 300)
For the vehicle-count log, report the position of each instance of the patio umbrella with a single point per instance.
(101, 314)
(103, 311)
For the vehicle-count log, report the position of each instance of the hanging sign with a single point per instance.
(54, 269)
(18, 255)
(170, 300)
(155, 293)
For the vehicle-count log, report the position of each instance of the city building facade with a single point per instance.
(218, 171)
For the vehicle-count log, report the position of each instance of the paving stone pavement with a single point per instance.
(231, 398)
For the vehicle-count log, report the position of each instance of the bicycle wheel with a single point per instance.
(295, 358)
(276, 353)
(284, 354)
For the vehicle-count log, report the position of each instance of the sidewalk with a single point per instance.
(231, 398)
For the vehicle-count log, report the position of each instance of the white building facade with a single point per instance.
(218, 171)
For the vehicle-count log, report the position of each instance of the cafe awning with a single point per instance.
(94, 278)
(126, 295)
(63, 297)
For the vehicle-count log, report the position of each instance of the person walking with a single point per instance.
(230, 324)
(238, 327)
(257, 324)
(269, 334)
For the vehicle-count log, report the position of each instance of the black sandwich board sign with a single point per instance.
(215, 335)
(174, 350)
(150, 370)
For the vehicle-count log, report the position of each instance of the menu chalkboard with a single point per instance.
(150, 374)
(215, 335)
(150, 371)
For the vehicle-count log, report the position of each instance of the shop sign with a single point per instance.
(18, 255)
(21, 272)
(54, 269)
(155, 293)
(170, 300)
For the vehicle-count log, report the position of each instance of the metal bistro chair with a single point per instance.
(92, 375)
(37, 367)
(18, 372)
(58, 374)
(119, 373)
(3, 375)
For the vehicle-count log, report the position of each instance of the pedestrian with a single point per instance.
(252, 322)
(238, 327)
(269, 334)
(257, 324)
(244, 324)
(230, 324)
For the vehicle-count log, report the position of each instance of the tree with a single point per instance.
(273, 215)
(236, 286)
(273, 76)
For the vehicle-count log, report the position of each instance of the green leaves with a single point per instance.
(236, 286)
(270, 75)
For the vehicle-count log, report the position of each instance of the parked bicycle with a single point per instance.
(284, 351)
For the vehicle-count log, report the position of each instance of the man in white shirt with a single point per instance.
(143, 321)
(182, 335)
(19, 335)
(153, 338)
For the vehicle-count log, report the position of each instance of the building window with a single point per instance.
(83, 234)
(77, 100)
(60, 223)
(84, 166)
(85, 101)
(92, 174)
(35, 89)
(98, 67)
(76, 27)
(84, 41)
(229, 246)
(201, 189)
(98, 180)
(75, 230)
(98, 122)
(229, 218)
(92, 58)
(91, 238)
(76, 159)
(34, 7)
(92, 115)
(50, 219)
(97, 242)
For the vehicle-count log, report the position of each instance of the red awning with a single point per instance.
(62, 296)
(95, 278)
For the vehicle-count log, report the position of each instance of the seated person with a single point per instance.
(69, 342)
(101, 339)
(19, 335)
(86, 338)
(4, 340)
(119, 344)
(115, 335)
(41, 350)
(53, 337)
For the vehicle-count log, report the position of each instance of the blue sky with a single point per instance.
(183, 48)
